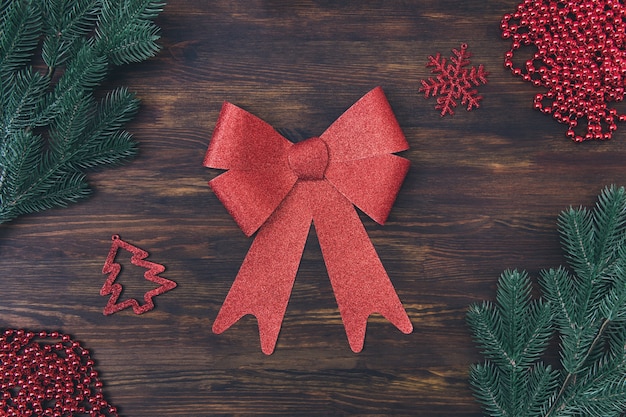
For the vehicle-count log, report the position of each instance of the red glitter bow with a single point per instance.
(278, 188)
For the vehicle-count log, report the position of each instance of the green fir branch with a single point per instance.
(52, 127)
(20, 29)
(586, 309)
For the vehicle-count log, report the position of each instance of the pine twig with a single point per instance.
(571, 375)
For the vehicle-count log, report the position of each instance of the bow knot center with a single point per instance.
(308, 159)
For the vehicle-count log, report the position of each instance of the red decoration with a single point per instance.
(278, 188)
(579, 56)
(454, 81)
(48, 374)
(115, 289)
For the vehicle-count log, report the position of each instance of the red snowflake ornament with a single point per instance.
(48, 374)
(115, 289)
(579, 55)
(454, 81)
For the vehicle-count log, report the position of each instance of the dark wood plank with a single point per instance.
(482, 196)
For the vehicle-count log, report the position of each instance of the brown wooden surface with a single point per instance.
(482, 196)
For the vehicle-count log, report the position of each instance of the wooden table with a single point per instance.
(482, 195)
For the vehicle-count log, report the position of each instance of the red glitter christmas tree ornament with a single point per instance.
(48, 374)
(115, 289)
(454, 81)
(578, 54)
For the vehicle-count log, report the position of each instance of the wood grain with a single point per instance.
(482, 196)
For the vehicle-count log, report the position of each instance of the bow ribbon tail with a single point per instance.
(359, 280)
(265, 280)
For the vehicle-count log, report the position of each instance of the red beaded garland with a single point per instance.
(580, 57)
(48, 378)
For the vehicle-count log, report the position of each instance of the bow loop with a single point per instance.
(361, 143)
(372, 184)
(368, 128)
(243, 141)
(250, 197)
(258, 176)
